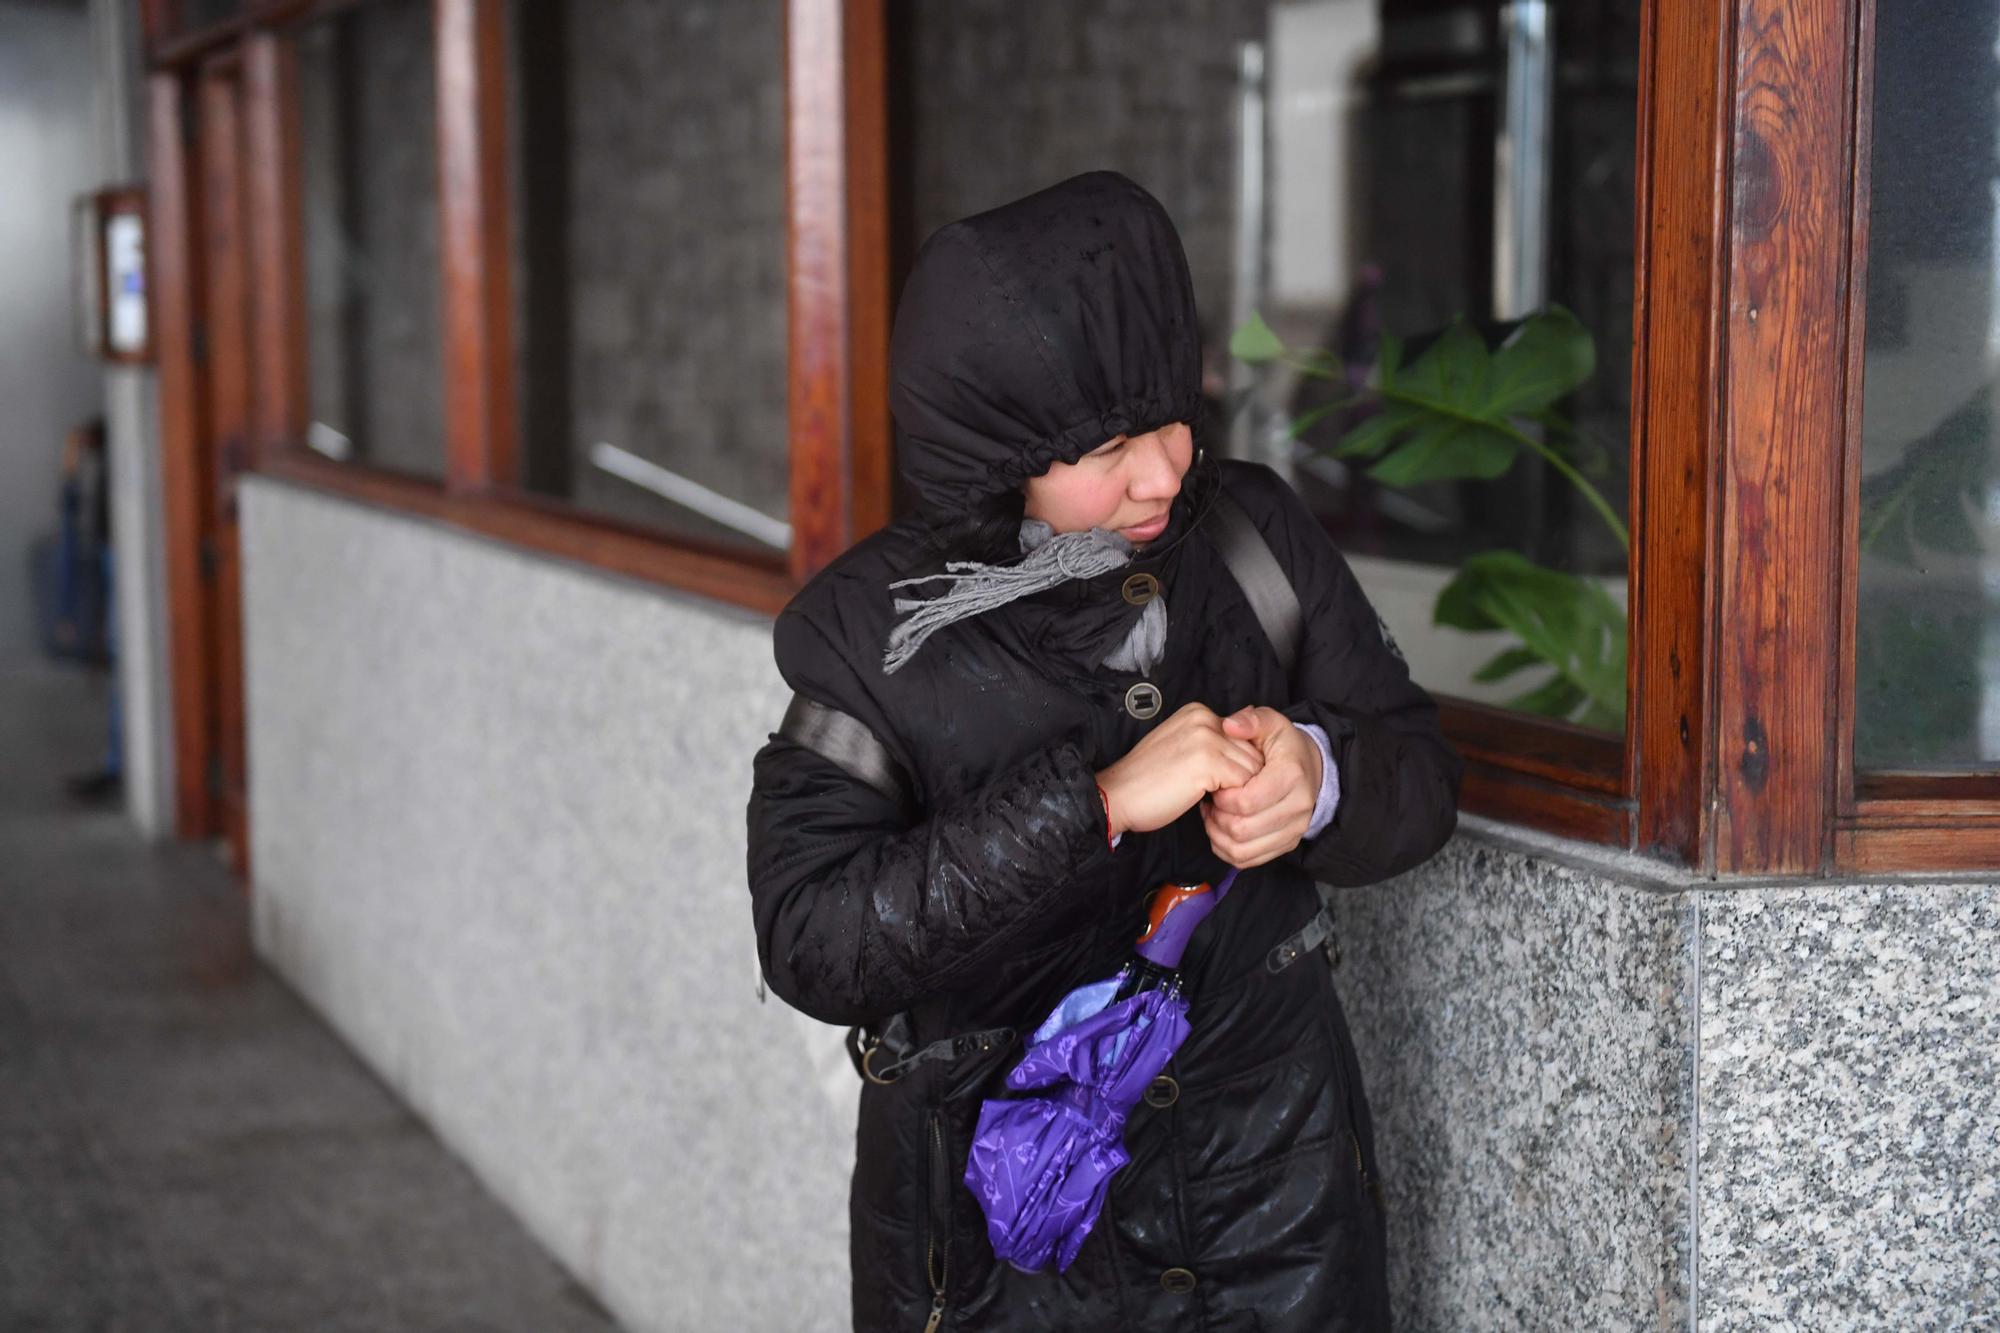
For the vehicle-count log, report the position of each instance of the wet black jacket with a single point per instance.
(1028, 336)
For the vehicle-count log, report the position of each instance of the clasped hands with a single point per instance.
(1254, 774)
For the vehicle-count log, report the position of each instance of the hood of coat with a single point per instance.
(1031, 334)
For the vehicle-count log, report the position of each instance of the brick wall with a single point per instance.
(651, 196)
(1004, 97)
(368, 122)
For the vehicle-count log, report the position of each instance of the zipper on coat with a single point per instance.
(1361, 1169)
(937, 1221)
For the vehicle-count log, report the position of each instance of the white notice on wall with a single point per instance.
(125, 262)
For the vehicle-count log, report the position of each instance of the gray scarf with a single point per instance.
(1050, 560)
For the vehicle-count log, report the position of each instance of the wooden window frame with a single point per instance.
(1752, 214)
(1750, 225)
(837, 297)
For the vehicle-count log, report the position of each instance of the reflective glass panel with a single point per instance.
(1928, 601)
(1447, 179)
(368, 196)
(649, 206)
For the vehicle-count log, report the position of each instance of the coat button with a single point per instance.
(1141, 589)
(1162, 1092)
(1178, 1281)
(1143, 700)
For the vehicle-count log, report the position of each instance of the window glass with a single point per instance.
(191, 16)
(649, 205)
(1443, 177)
(368, 196)
(1928, 601)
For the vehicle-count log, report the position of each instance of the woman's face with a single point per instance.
(1126, 485)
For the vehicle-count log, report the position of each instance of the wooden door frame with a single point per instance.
(227, 381)
(207, 386)
(177, 284)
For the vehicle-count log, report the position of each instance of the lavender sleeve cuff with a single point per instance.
(1329, 781)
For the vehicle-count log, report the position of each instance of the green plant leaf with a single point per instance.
(1255, 342)
(1460, 411)
(1451, 372)
(1562, 621)
(1463, 406)
(1446, 449)
(1434, 425)
(1589, 455)
(1558, 697)
(1458, 605)
(1547, 356)
(1925, 500)
(1388, 360)
(1306, 421)
(1316, 363)
(1507, 662)
(1375, 434)
(1601, 716)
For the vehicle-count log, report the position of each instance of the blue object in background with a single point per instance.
(114, 740)
(70, 587)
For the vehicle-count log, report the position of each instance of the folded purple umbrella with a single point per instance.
(1041, 1166)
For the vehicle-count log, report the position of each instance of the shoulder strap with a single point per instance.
(1262, 578)
(844, 741)
(841, 739)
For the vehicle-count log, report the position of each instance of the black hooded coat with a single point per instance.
(1026, 336)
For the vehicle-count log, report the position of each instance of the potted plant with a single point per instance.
(1463, 411)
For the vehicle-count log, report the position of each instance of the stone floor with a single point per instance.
(183, 1145)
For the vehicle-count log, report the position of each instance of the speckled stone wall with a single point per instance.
(497, 811)
(1849, 1130)
(1549, 1032)
(1523, 1030)
(497, 815)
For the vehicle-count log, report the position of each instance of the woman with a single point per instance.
(1086, 707)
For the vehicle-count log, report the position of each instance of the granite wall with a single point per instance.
(1523, 1028)
(496, 804)
(1849, 1117)
(1603, 1090)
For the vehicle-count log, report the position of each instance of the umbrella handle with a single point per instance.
(1177, 909)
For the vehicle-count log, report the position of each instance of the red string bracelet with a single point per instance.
(1105, 797)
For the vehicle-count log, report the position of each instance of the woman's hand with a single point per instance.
(1179, 762)
(1268, 815)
